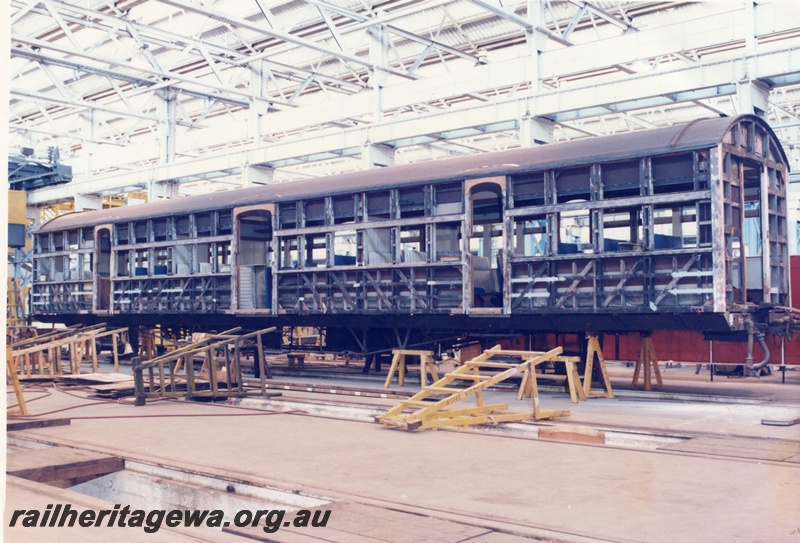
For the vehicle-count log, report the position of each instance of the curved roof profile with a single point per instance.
(697, 134)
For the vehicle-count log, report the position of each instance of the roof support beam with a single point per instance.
(504, 13)
(684, 84)
(391, 29)
(122, 27)
(290, 38)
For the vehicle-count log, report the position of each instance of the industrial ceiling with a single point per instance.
(174, 97)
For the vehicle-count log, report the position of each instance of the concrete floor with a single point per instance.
(506, 488)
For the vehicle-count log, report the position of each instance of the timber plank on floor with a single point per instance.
(30, 424)
(776, 450)
(58, 463)
(497, 537)
(357, 523)
(398, 526)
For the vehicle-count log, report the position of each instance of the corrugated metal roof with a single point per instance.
(697, 134)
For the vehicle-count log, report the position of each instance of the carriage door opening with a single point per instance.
(103, 258)
(486, 244)
(750, 244)
(254, 259)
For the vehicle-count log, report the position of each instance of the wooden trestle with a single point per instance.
(429, 415)
(42, 354)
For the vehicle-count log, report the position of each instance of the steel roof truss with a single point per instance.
(122, 27)
(314, 46)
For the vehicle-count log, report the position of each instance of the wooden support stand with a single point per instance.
(648, 361)
(34, 355)
(11, 373)
(147, 344)
(296, 360)
(528, 387)
(593, 350)
(15, 303)
(426, 364)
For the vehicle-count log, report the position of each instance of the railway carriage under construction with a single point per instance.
(683, 227)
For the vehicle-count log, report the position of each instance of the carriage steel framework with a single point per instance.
(682, 227)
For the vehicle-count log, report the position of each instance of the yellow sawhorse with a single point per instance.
(398, 366)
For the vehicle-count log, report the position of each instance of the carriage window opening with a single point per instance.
(448, 241)
(673, 173)
(621, 179)
(182, 259)
(316, 251)
(142, 262)
(287, 215)
(224, 223)
(104, 260)
(255, 228)
(203, 224)
(288, 252)
(775, 179)
(449, 199)
(411, 202)
(622, 229)
(315, 212)
(379, 205)
(528, 190)
(160, 229)
(58, 241)
(530, 236)
(74, 269)
(572, 184)
(762, 142)
(140, 232)
(42, 243)
(574, 233)
(704, 223)
(752, 234)
(344, 209)
(749, 139)
(44, 269)
(87, 266)
(345, 248)
(487, 204)
(222, 256)
(183, 227)
(87, 235)
(412, 244)
(205, 259)
(123, 264)
(378, 246)
(163, 261)
(701, 183)
(58, 268)
(72, 239)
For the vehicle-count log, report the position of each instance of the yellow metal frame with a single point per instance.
(431, 415)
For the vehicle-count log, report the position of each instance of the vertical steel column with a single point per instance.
(715, 159)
